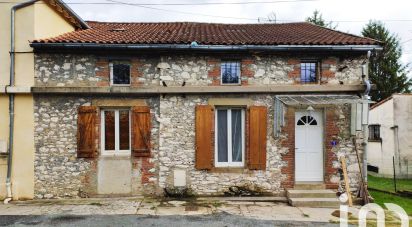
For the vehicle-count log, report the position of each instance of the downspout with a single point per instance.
(365, 116)
(397, 152)
(11, 97)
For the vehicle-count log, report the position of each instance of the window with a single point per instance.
(120, 73)
(374, 133)
(230, 137)
(230, 72)
(308, 72)
(115, 132)
(307, 120)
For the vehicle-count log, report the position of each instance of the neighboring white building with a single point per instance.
(390, 137)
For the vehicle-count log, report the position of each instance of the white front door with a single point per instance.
(308, 146)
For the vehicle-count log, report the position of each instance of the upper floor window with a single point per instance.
(230, 72)
(308, 72)
(120, 73)
(374, 133)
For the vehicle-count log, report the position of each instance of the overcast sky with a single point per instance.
(351, 15)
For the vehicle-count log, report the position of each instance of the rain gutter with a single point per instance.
(97, 46)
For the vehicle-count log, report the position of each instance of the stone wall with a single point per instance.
(338, 129)
(58, 171)
(65, 70)
(194, 70)
(177, 150)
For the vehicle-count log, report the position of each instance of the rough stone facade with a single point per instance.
(65, 70)
(59, 173)
(90, 70)
(177, 150)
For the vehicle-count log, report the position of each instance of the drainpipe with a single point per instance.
(11, 96)
(365, 116)
(397, 152)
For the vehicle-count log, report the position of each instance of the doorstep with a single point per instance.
(282, 199)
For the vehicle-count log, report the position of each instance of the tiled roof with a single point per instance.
(209, 34)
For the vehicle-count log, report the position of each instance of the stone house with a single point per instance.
(390, 138)
(144, 108)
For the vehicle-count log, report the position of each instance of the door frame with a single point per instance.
(323, 134)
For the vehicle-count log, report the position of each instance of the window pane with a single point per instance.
(222, 155)
(230, 72)
(121, 73)
(124, 130)
(308, 72)
(236, 135)
(109, 130)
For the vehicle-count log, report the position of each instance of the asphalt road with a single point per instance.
(221, 219)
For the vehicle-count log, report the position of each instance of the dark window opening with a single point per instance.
(374, 133)
(120, 73)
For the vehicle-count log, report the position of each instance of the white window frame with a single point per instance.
(239, 71)
(116, 151)
(112, 75)
(230, 163)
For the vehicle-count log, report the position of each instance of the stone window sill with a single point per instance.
(229, 170)
(375, 140)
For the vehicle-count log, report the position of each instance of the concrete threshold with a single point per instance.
(246, 199)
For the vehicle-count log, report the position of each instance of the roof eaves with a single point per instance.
(72, 18)
(68, 45)
(381, 102)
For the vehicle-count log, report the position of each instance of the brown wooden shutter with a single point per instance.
(257, 137)
(141, 130)
(86, 132)
(204, 137)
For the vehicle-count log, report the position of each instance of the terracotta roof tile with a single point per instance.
(209, 34)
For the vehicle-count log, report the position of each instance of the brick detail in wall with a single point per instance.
(326, 72)
(331, 133)
(214, 71)
(295, 73)
(146, 166)
(289, 158)
(135, 73)
(103, 72)
(246, 72)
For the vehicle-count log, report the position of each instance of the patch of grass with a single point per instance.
(381, 198)
(386, 184)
